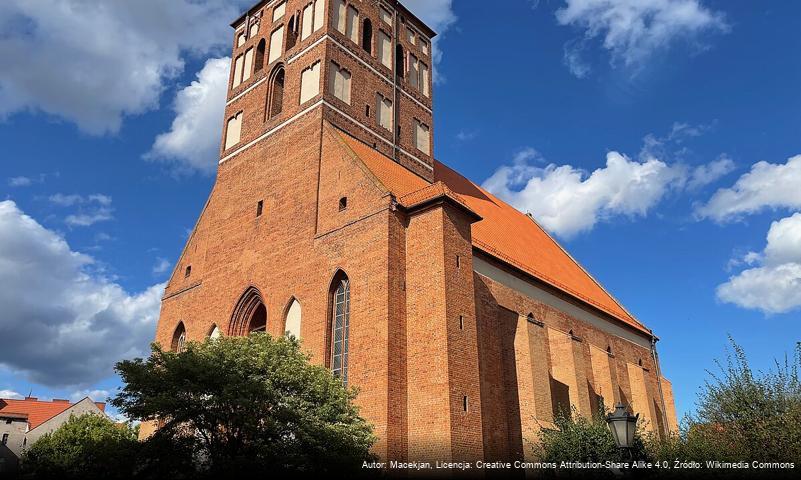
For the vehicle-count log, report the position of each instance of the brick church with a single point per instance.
(464, 325)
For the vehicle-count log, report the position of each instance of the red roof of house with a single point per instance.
(37, 411)
(503, 232)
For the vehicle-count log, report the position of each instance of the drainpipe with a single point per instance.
(659, 381)
(395, 106)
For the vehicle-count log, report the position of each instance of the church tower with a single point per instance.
(365, 64)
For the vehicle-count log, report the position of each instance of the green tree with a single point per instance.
(87, 447)
(246, 403)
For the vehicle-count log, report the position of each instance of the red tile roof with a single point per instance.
(504, 232)
(36, 411)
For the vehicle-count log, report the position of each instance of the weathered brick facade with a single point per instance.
(459, 351)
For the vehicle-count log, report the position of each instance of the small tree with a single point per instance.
(247, 403)
(86, 447)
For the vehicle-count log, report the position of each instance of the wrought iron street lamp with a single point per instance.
(623, 426)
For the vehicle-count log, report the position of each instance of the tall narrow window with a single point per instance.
(292, 33)
(339, 82)
(248, 69)
(215, 332)
(410, 36)
(241, 39)
(254, 29)
(276, 44)
(310, 83)
(414, 71)
(400, 61)
(240, 60)
(279, 11)
(352, 27)
(179, 339)
(319, 14)
(424, 46)
(233, 132)
(384, 109)
(339, 18)
(422, 137)
(340, 327)
(293, 319)
(260, 51)
(367, 36)
(425, 79)
(275, 97)
(307, 22)
(384, 47)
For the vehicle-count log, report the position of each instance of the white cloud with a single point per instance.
(62, 324)
(774, 286)
(162, 265)
(707, 174)
(20, 182)
(439, 15)
(193, 142)
(92, 209)
(94, 62)
(567, 201)
(767, 185)
(633, 30)
(10, 394)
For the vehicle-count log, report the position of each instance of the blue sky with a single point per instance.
(655, 139)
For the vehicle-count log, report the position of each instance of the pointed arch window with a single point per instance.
(260, 51)
(367, 36)
(275, 96)
(215, 332)
(340, 326)
(250, 314)
(178, 344)
(293, 319)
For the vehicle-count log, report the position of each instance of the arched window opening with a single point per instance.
(260, 52)
(367, 36)
(250, 314)
(400, 61)
(215, 332)
(340, 326)
(292, 33)
(275, 97)
(178, 344)
(293, 319)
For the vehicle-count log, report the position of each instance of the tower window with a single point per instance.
(233, 131)
(238, 63)
(260, 208)
(384, 111)
(310, 83)
(458, 261)
(343, 204)
(279, 11)
(414, 71)
(307, 22)
(425, 79)
(422, 137)
(410, 36)
(384, 47)
(260, 51)
(367, 36)
(276, 44)
(275, 96)
(188, 271)
(465, 403)
(241, 39)
(400, 61)
(339, 82)
(248, 68)
(254, 28)
(339, 16)
(386, 16)
(367, 111)
(292, 33)
(461, 322)
(352, 26)
(424, 46)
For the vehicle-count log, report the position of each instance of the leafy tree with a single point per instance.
(247, 403)
(577, 438)
(86, 447)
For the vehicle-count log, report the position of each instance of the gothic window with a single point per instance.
(179, 338)
(384, 47)
(260, 50)
(422, 137)
(425, 79)
(248, 68)
(352, 25)
(241, 39)
(215, 332)
(275, 95)
(233, 131)
(339, 82)
(414, 71)
(276, 44)
(292, 32)
(310, 83)
(238, 63)
(340, 326)
(367, 36)
(410, 36)
(424, 46)
(307, 22)
(279, 11)
(319, 14)
(339, 17)
(250, 314)
(293, 319)
(254, 28)
(386, 16)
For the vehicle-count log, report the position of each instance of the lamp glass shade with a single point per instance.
(623, 426)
